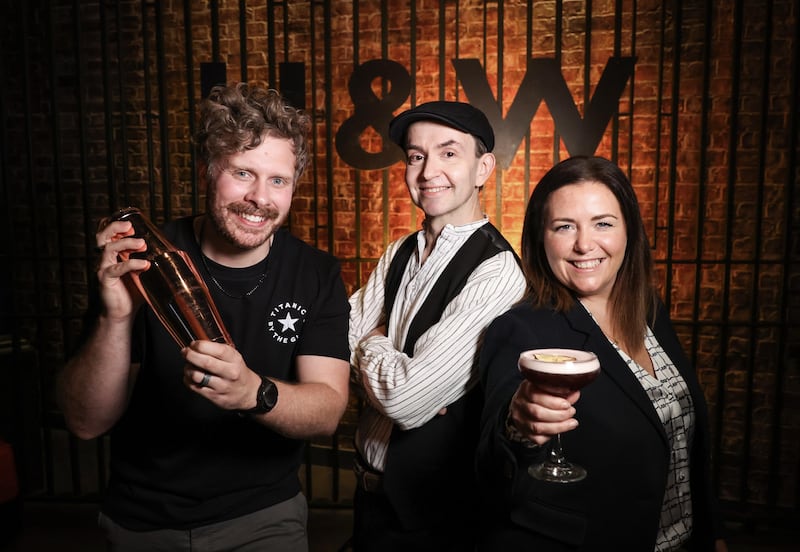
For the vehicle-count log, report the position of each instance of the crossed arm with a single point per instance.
(412, 390)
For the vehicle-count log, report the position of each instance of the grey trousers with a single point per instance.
(280, 527)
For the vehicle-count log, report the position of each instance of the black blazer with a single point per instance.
(619, 440)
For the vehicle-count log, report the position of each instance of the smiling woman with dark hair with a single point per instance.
(640, 429)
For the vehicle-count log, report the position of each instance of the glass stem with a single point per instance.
(556, 454)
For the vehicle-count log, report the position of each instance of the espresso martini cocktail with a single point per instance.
(558, 372)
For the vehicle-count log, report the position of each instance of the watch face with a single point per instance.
(267, 395)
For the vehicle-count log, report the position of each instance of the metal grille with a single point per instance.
(98, 108)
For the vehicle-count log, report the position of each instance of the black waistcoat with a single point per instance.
(429, 474)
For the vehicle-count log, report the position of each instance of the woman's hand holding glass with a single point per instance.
(538, 415)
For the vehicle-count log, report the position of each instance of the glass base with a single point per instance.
(562, 472)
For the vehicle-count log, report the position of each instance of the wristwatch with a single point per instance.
(266, 397)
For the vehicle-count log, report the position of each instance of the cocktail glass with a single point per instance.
(559, 372)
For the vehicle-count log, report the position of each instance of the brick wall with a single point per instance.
(99, 104)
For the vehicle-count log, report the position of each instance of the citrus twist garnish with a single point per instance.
(547, 357)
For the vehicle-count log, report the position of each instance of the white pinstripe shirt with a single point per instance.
(411, 391)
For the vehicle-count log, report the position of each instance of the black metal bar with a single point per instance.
(659, 123)
(413, 50)
(357, 175)
(673, 149)
(790, 226)
(443, 47)
(631, 92)
(123, 124)
(314, 148)
(498, 175)
(736, 59)
(84, 170)
(74, 465)
(101, 458)
(587, 55)
(559, 30)
(457, 31)
(111, 176)
(329, 134)
(13, 379)
(7, 227)
(271, 63)
(188, 46)
(484, 26)
(243, 39)
(385, 181)
(702, 196)
(28, 164)
(309, 487)
(757, 231)
(148, 111)
(526, 170)
(617, 52)
(6, 224)
(163, 113)
(213, 8)
(413, 100)
(285, 33)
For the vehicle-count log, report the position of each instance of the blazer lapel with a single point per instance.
(613, 366)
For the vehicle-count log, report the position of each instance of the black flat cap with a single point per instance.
(459, 115)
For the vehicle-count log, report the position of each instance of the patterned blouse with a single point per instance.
(673, 403)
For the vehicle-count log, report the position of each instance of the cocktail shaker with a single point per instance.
(172, 286)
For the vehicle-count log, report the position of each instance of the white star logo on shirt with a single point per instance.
(288, 322)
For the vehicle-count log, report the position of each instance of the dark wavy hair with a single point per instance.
(633, 297)
(236, 118)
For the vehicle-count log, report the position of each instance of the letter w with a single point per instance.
(543, 81)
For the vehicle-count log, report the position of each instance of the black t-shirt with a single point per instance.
(177, 460)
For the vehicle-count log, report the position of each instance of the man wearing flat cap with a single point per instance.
(415, 329)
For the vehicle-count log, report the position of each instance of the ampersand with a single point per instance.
(370, 110)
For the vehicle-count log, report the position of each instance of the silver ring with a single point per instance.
(205, 380)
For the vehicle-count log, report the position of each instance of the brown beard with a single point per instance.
(218, 220)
